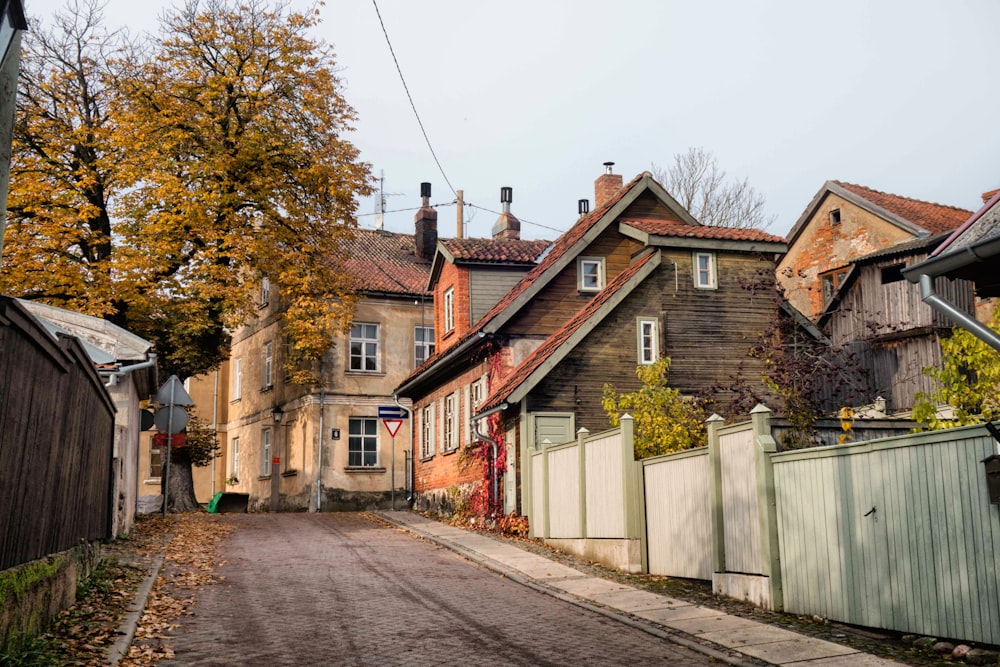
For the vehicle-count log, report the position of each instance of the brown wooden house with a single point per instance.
(631, 281)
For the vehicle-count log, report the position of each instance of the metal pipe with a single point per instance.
(125, 370)
(474, 422)
(215, 421)
(319, 449)
(949, 310)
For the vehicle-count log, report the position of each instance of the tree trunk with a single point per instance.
(182, 498)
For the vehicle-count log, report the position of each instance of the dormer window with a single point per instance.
(835, 216)
(590, 272)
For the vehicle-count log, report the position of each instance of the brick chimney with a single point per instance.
(606, 186)
(426, 225)
(507, 226)
(987, 196)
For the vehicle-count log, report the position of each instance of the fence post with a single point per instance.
(712, 425)
(581, 438)
(631, 486)
(545, 490)
(767, 508)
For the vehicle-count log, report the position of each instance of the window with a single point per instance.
(427, 432)
(478, 391)
(892, 274)
(450, 440)
(265, 453)
(835, 216)
(362, 442)
(590, 271)
(423, 344)
(704, 270)
(648, 344)
(831, 282)
(234, 458)
(265, 292)
(155, 460)
(449, 309)
(364, 347)
(237, 378)
(267, 366)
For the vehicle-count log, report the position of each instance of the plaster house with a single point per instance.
(331, 450)
(127, 365)
(635, 279)
(846, 221)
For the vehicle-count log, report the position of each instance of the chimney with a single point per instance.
(507, 226)
(987, 196)
(606, 186)
(426, 225)
(583, 206)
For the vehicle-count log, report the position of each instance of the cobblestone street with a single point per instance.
(338, 589)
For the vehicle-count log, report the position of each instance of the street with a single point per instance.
(339, 589)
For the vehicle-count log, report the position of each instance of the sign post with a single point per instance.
(171, 395)
(392, 417)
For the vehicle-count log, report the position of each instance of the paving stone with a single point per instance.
(797, 650)
(701, 625)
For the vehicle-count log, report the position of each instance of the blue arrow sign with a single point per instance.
(392, 412)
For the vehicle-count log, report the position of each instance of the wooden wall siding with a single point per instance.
(560, 299)
(648, 207)
(926, 561)
(870, 308)
(605, 486)
(702, 327)
(679, 514)
(896, 370)
(829, 430)
(564, 491)
(56, 442)
(487, 285)
(739, 501)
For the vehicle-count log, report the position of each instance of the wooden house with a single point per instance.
(633, 280)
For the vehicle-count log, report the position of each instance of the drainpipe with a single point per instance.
(949, 310)
(125, 370)
(215, 420)
(474, 421)
(408, 482)
(319, 449)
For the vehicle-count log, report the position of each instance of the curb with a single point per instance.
(517, 577)
(129, 624)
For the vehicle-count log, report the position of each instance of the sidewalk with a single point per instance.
(719, 635)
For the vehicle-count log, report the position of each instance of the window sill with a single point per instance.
(366, 373)
(290, 473)
(263, 478)
(152, 480)
(425, 459)
(266, 388)
(371, 470)
(449, 452)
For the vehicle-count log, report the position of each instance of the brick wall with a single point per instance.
(455, 277)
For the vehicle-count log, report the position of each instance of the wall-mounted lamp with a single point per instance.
(277, 414)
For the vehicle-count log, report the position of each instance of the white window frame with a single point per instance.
(234, 457)
(237, 379)
(265, 291)
(583, 272)
(267, 365)
(707, 277)
(265, 452)
(161, 451)
(648, 343)
(427, 431)
(423, 347)
(450, 426)
(449, 309)
(369, 435)
(369, 347)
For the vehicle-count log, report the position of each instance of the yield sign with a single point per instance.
(392, 425)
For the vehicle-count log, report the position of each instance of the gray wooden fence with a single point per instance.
(56, 442)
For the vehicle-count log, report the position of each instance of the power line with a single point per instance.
(528, 222)
(410, 97)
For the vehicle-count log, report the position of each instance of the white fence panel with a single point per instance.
(564, 492)
(679, 515)
(739, 501)
(605, 486)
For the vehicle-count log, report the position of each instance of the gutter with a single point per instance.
(114, 376)
(953, 313)
(474, 422)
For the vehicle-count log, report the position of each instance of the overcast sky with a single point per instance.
(897, 95)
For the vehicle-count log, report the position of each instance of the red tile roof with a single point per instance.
(495, 251)
(386, 263)
(680, 229)
(556, 340)
(928, 215)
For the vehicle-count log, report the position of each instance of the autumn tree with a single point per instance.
(701, 186)
(968, 379)
(156, 183)
(665, 420)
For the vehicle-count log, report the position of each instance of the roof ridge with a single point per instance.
(892, 194)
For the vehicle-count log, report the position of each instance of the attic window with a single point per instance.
(831, 282)
(892, 274)
(590, 272)
(835, 216)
